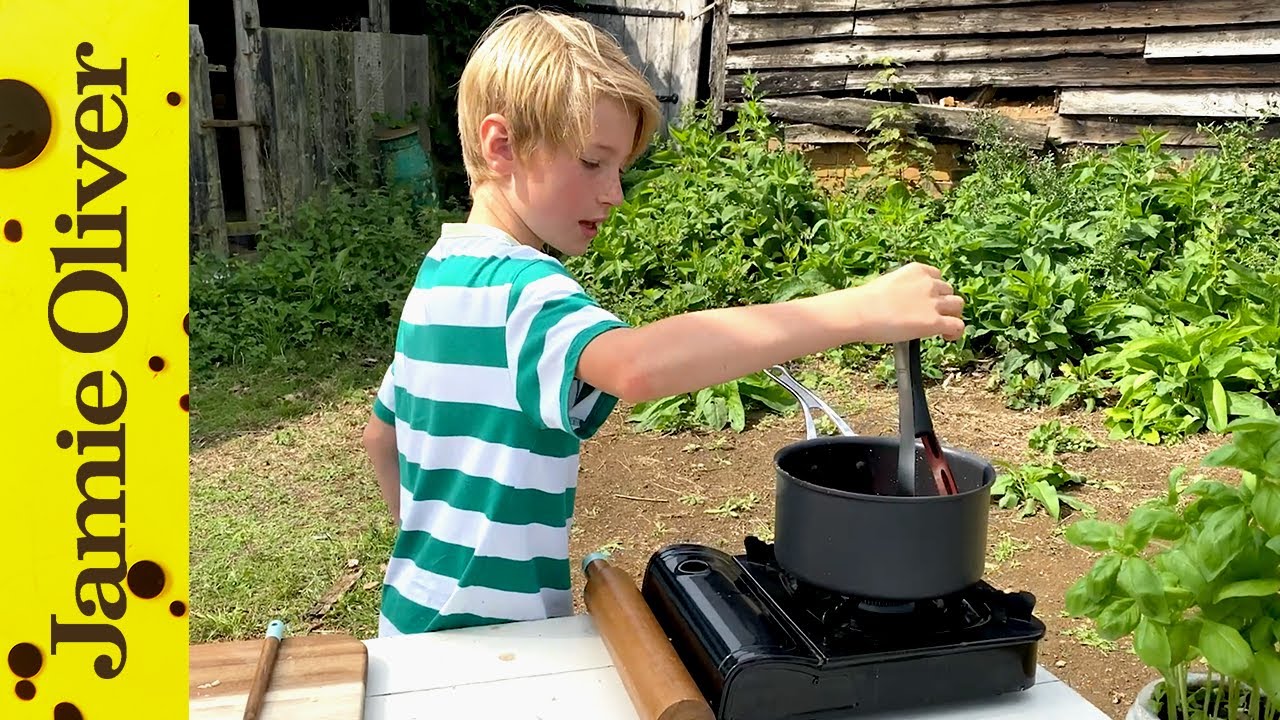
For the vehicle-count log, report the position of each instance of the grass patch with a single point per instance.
(234, 399)
(287, 525)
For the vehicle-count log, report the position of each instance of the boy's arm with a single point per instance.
(692, 351)
(380, 444)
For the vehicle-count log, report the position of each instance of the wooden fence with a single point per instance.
(1106, 69)
(664, 38)
(315, 97)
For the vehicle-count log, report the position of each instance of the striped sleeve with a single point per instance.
(384, 405)
(550, 321)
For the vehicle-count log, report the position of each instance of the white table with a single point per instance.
(560, 670)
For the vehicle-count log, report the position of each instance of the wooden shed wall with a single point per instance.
(1107, 68)
(317, 93)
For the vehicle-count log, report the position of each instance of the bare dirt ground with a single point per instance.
(640, 492)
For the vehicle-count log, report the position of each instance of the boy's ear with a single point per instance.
(496, 145)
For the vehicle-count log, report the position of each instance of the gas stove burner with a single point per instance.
(871, 622)
(885, 607)
(762, 644)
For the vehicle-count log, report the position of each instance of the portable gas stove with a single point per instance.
(763, 646)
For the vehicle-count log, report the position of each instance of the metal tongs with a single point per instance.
(808, 402)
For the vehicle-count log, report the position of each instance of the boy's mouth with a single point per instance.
(589, 227)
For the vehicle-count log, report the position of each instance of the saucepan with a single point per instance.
(857, 517)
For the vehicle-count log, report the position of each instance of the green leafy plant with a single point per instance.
(1031, 487)
(714, 408)
(1053, 437)
(1188, 376)
(1194, 576)
(336, 271)
(893, 147)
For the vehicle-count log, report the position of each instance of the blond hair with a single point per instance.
(544, 71)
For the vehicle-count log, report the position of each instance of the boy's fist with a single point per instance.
(908, 303)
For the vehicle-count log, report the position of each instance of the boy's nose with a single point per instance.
(612, 195)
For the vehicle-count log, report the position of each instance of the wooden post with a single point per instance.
(380, 15)
(719, 56)
(206, 212)
(689, 56)
(247, 25)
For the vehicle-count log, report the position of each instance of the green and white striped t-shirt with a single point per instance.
(489, 419)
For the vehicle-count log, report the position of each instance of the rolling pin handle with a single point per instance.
(592, 557)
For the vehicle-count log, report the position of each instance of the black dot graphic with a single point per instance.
(27, 125)
(185, 403)
(66, 711)
(177, 608)
(146, 579)
(186, 324)
(13, 231)
(156, 363)
(62, 223)
(25, 690)
(64, 439)
(25, 660)
(173, 99)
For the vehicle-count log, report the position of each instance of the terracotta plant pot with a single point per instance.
(1144, 706)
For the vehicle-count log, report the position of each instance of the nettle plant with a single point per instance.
(1194, 578)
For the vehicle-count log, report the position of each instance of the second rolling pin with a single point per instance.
(658, 683)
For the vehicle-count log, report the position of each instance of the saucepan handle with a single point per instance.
(808, 402)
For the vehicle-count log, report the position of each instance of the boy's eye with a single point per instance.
(590, 164)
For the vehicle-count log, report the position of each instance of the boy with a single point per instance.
(503, 364)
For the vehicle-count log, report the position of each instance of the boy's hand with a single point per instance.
(909, 303)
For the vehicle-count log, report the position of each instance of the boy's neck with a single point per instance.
(491, 207)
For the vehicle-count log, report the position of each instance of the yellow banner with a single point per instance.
(93, 356)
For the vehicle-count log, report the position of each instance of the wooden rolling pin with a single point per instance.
(658, 683)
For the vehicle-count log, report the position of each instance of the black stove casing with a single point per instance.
(752, 640)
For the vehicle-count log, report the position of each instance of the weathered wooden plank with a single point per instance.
(796, 82)
(855, 51)
(380, 16)
(719, 52)
(776, 7)
(814, 134)
(247, 30)
(393, 76)
(687, 48)
(1068, 130)
(340, 155)
(1199, 103)
(1060, 72)
(417, 63)
(659, 58)
(1077, 72)
(1060, 16)
(367, 90)
(1250, 43)
(932, 120)
(641, 5)
(287, 171)
(265, 102)
(769, 29)
(882, 5)
(300, 111)
(206, 211)
(219, 123)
